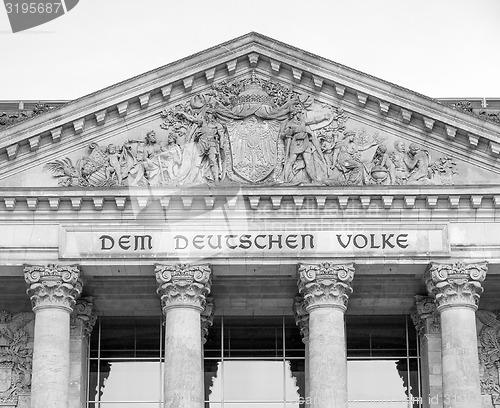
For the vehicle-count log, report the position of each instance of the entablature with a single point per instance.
(373, 199)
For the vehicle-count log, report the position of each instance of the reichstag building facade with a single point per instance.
(251, 226)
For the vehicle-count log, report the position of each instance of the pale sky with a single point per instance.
(441, 48)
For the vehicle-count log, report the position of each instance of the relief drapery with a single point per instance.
(253, 132)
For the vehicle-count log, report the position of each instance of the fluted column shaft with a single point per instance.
(456, 289)
(183, 290)
(53, 291)
(326, 288)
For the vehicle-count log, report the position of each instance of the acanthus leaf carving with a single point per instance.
(455, 284)
(183, 285)
(53, 285)
(425, 317)
(207, 317)
(83, 315)
(301, 317)
(325, 284)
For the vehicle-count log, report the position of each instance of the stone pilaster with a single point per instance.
(82, 321)
(428, 325)
(302, 322)
(326, 288)
(456, 288)
(207, 318)
(183, 290)
(53, 291)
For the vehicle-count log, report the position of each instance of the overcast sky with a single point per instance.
(441, 48)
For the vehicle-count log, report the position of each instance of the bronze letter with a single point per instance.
(142, 240)
(103, 239)
(124, 242)
(355, 241)
(275, 241)
(339, 238)
(372, 241)
(177, 238)
(228, 237)
(386, 241)
(402, 240)
(311, 241)
(197, 243)
(219, 242)
(256, 244)
(290, 241)
(245, 242)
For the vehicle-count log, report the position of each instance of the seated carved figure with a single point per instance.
(144, 168)
(417, 162)
(347, 160)
(381, 166)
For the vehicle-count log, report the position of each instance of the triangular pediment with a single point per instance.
(251, 112)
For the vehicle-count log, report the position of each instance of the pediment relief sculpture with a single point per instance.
(254, 132)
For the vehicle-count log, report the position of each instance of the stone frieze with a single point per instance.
(253, 132)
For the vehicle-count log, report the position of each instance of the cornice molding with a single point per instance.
(276, 198)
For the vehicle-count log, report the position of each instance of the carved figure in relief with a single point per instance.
(381, 166)
(347, 160)
(145, 168)
(208, 137)
(418, 164)
(302, 150)
(171, 157)
(399, 171)
(114, 168)
(203, 147)
(258, 132)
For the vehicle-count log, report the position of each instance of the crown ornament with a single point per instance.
(252, 93)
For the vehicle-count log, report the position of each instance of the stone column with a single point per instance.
(456, 289)
(428, 326)
(53, 291)
(302, 322)
(82, 321)
(326, 288)
(183, 290)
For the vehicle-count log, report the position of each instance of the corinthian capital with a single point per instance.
(53, 286)
(83, 317)
(183, 285)
(301, 317)
(425, 316)
(456, 284)
(325, 284)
